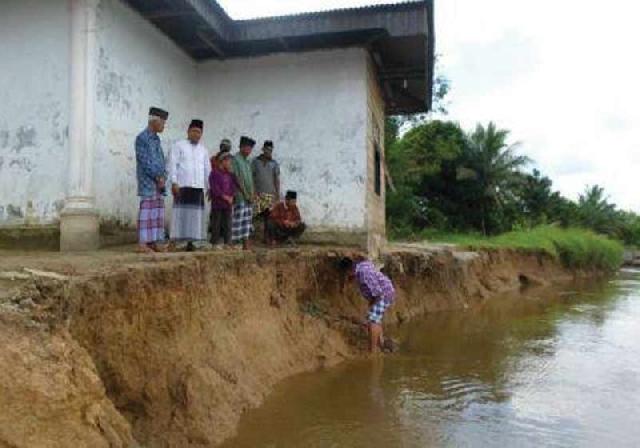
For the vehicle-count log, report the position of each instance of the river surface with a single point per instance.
(542, 368)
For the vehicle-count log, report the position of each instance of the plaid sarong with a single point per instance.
(151, 219)
(242, 224)
(376, 311)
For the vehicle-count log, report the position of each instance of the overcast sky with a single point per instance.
(562, 75)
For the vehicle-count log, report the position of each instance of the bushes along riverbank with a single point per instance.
(576, 248)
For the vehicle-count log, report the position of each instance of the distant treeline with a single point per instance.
(445, 179)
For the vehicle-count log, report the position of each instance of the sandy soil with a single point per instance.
(118, 349)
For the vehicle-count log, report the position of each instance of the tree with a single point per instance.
(536, 197)
(415, 162)
(491, 163)
(446, 179)
(629, 231)
(595, 212)
(562, 211)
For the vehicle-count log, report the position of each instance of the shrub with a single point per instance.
(575, 248)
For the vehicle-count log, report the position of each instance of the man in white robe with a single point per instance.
(189, 169)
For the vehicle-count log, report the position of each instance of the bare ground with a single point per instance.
(118, 349)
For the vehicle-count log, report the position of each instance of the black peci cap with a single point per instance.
(246, 141)
(197, 124)
(157, 112)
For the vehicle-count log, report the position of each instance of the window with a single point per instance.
(377, 171)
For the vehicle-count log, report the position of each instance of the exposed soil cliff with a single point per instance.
(50, 392)
(170, 353)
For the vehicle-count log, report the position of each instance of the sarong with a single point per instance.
(187, 219)
(376, 311)
(151, 219)
(242, 222)
(264, 202)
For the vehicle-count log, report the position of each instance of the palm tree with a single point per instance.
(595, 212)
(494, 166)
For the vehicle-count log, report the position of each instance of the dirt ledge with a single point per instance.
(169, 352)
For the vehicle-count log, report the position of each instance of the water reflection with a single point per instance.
(543, 368)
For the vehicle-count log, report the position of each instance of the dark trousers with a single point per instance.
(220, 226)
(264, 216)
(280, 233)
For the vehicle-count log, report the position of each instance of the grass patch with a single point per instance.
(576, 248)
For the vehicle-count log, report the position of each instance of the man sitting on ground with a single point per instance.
(284, 222)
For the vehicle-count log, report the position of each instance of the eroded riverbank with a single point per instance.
(172, 350)
(542, 367)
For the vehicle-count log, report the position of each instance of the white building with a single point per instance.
(78, 77)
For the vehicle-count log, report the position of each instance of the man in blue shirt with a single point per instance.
(151, 175)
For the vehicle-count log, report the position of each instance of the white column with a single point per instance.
(79, 228)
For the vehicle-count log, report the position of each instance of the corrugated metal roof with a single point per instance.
(380, 7)
(220, 9)
(399, 36)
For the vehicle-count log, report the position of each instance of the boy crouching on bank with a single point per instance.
(377, 289)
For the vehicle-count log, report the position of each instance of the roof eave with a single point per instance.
(403, 33)
(431, 57)
(398, 20)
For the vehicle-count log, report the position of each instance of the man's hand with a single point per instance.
(175, 190)
(160, 183)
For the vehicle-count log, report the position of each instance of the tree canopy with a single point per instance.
(448, 179)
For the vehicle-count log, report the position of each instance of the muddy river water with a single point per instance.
(538, 369)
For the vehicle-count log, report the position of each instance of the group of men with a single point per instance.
(240, 191)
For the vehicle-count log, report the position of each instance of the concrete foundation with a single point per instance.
(79, 230)
(24, 237)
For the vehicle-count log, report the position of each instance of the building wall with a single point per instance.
(34, 80)
(137, 67)
(314, 107)
(376, 215)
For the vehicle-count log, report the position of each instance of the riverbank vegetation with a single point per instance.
(445, 181)
(575, 248)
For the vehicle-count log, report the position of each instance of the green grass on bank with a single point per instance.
(576, 248)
